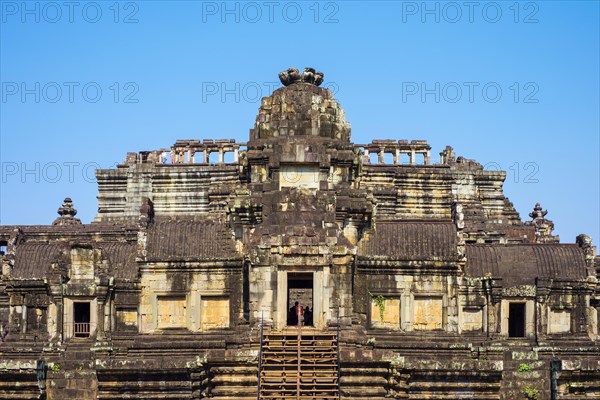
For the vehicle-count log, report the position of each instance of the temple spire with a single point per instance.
(543, 227)
(67, 214)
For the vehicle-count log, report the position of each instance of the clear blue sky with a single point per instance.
(401, 70)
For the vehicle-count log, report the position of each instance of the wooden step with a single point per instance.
(301, 366)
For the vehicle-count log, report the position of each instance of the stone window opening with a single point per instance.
(420, 159)
(300, 290)
(388, 158)
(199, 157)
(516, 320)
(3, 247)
(213, 157)
(404, 158)
(229, 157)
(81, 316)
(372, 158)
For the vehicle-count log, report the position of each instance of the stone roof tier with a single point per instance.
(521, 264)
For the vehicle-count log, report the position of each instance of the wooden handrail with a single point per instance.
(82, 329)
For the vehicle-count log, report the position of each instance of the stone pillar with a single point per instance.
(397, 156)
(318, 289)
(101, 303)
(327, 291)
(282, 290)
(427, 157)
(60, 312)
(205, 156)
(221, 156)
(190, 156)
(100, 321)
(412, 156)
(381, 156)
(23, 318)
(68, 319)
(236, 154)
(367, 160)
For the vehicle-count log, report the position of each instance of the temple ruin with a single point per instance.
(415, 279)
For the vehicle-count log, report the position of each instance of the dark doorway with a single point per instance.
(516, 320)
(300, 290)
(81, 313)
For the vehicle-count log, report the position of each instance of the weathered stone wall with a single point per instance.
(190, 258)
(194, 299)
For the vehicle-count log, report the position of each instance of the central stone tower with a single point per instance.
(299, 153)
(300, 108)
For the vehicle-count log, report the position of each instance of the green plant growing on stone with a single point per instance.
(524, 368)
(531, 392)
(55, 367)
(379, 301)
(371, 341)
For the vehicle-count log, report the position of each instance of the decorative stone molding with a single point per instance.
(67, 214)
(458, 217)
(292, 75)
(585, 242)
(447, 156)
(543, 227)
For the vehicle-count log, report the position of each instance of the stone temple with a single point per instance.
(415, 279)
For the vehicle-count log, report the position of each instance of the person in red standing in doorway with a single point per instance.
(299, 313)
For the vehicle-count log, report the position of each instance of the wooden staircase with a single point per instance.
(300, 365)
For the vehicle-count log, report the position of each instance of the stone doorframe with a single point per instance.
(321, 295)
(69, 316)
